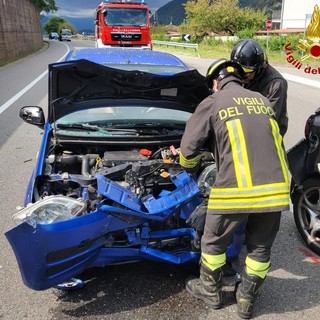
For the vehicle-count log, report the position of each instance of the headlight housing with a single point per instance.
(50, 209)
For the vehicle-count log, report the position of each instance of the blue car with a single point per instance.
(107, 187)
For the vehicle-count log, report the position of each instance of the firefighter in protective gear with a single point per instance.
(252, 182)
(262, 77)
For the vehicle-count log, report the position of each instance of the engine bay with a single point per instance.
(71, 170)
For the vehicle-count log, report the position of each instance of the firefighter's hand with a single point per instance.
(198, 216)
(207, 156)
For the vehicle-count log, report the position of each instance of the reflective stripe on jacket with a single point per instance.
(240, 125)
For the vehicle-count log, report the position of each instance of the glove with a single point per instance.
(207, 156)
(197, 218)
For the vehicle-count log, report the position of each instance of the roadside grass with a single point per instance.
(277, 58)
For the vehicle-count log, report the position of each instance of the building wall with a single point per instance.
(296, 13)
(20, 30)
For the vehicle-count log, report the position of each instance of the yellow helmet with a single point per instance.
(223, 68)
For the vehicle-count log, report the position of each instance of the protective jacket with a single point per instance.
(239, 125)
(271, 84)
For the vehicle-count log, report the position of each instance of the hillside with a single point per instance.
(173, 12)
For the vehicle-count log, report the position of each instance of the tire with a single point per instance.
(307, 219)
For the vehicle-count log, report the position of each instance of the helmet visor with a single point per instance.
(247, 70)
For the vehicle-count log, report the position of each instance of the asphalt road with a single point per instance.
(142, 290)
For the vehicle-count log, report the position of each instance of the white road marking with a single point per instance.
(7, 104)
(304, 81)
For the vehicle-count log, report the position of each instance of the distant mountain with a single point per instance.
(173, 12)
(156, 4)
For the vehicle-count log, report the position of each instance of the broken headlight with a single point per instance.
(50, 209)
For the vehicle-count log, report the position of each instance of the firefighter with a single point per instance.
(262, 77)
(252, 182)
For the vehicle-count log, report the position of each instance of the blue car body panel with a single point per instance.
(52, 253)
(134, 57)
(64, 249)
(186, 189)
(49, 254)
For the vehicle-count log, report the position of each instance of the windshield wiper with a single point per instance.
(133, 130)
(77, 126)
(151, 130)
(88, 127)
(154, 126)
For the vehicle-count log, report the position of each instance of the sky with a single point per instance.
(85, 8)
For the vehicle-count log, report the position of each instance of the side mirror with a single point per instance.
(33, 115)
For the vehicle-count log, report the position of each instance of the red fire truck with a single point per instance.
(123, 23)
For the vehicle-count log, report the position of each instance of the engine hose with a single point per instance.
(155, 155)
(85, 160)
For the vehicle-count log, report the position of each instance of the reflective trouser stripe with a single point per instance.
(257, 268)
(213, 262)
(281, 153)
(239, 153)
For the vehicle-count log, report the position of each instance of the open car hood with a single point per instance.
(80, 84)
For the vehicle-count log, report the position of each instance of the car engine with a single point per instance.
(69, 172)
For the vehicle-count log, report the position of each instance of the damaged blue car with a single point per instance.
(107, 187)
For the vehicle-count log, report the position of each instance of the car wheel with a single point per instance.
(306, 211)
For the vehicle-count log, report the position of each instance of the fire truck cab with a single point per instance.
(123, 23)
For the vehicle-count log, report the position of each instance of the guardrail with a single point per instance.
(177, 44)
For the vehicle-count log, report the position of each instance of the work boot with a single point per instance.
(208, 287)
(246, 291)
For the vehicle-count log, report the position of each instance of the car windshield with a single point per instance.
(123, 121)
(125, 17)
(66, 32)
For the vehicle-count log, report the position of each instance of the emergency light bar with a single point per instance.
(123, 1)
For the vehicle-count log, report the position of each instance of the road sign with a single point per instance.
(269, 24)
(186, 37)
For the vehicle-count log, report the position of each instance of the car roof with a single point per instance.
(131, 59)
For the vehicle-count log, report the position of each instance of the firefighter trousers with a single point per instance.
(261, 231)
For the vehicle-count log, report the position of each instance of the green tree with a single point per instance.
(45, 5)
(197, 16)
(53, 24)
(221, 16)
